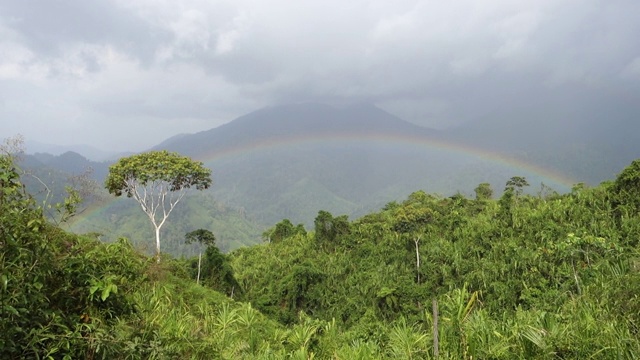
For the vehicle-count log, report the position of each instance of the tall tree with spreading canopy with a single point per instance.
(157, 180)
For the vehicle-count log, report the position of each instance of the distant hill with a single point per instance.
(170, 140)
(70, 162)
(90, 152)
(122, 217)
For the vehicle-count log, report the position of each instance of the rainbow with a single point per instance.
(555, 179)
(418, 143)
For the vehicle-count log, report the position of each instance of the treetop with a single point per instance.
(180, 172)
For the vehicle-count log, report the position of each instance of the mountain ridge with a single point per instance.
(293, 120)
(90, 152)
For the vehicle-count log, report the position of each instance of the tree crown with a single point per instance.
(179, 172)
(202, 236)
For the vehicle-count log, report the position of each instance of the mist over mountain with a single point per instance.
(588, 135)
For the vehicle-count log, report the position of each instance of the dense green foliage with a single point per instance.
(519, 277)
(54, 284)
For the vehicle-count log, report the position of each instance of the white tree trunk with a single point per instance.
(199, 262)
(417, 241)
(157, 201)
(436, 342)
(158, 243)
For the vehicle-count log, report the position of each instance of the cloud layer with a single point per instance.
(126, 74)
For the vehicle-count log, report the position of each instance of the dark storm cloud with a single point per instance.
(49, 27)
(166, 67)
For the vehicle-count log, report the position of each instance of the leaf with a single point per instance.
(93, 289)
(105, 293)
(11, 309)
(111, 288)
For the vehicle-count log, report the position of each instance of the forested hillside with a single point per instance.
(502, 275)
(516, 277)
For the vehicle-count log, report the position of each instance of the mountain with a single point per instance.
(171, 140)
(46, 177)
(291, 161)
(292, 121)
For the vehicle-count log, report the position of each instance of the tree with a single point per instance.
(483, 192)
(215, 269)
(516, 184)
(329, 229)
(412, 220)
(627, 183)
(217, 272)
(64, 207)
(204, 237)
(280, 231)
(509, 200)
(157, 180)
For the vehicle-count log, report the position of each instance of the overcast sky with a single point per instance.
(126, 74)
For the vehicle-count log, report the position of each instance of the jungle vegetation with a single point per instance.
(545, 276)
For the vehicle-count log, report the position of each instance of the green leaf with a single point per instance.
(105, 293)
(11, 309)
(111, 288)
(93, 289)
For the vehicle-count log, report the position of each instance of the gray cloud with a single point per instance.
(105, 72)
